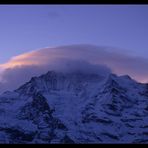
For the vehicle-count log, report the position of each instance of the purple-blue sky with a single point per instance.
(29, 27)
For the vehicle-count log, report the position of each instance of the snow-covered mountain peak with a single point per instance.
(58, 81)
(75, 107)
(126, 77)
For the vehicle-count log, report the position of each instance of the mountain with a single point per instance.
(75, 108)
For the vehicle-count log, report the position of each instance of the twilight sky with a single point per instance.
(121, 28)
(29, 27)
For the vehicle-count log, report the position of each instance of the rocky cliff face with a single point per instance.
(75, 108)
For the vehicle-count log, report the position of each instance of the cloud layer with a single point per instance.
(84, 58)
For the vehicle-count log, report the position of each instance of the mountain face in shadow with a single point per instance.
(75, 108)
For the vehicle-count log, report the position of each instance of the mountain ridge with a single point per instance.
(75, 108)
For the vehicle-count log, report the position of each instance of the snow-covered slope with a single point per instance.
(75, 108)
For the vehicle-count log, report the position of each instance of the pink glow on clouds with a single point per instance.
(119, 63)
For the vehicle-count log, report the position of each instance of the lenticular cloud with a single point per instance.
(83, 58)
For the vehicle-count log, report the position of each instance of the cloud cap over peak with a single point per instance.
(87, 58)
